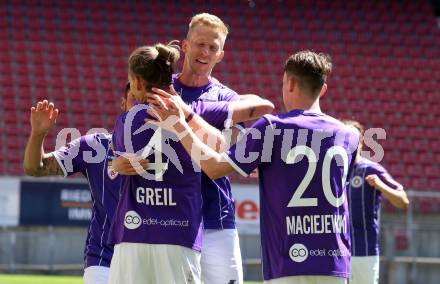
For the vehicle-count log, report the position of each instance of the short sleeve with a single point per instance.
(228, 95)
(246, 155)
(118, 134)
(385, 177)
(218, 114)
(69, 157)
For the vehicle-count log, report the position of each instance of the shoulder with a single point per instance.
(87, 141)
(223, 92)
(372, 166)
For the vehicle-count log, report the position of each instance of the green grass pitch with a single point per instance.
(43, 279)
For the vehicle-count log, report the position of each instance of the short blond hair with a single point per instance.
(207, 20)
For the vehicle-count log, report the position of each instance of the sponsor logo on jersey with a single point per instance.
(356, 181)
(132, 220)
(298, 252)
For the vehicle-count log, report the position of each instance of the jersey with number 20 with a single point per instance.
(303, 160)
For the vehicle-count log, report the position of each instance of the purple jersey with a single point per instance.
(92, 156)
(364, 204)
(303, 160)
(162, 205)
(218, 204)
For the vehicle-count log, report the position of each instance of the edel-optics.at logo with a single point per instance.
(298, 252)
(132, 220)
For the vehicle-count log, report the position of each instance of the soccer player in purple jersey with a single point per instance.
(92, 156)
(304, 157)
(204, 48)
(368, 182)
(149, 67)
(157, 228)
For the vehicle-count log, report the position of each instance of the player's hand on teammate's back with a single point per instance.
(43, 117)
(129, 164)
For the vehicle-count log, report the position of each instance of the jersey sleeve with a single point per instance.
(228, 95)
(385, 177)
(69, 157)
(118, 134)
(246, 155)
(218, 114)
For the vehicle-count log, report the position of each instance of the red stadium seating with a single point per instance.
(386, 64)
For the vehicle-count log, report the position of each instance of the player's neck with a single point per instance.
(193, 80)
(305, 105)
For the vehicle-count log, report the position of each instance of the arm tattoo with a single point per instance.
(50, 167)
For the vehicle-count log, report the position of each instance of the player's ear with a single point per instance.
(139, 83)
(292, 83)
(123, 104)
(185, 44)
(220, 57)
(323, 90)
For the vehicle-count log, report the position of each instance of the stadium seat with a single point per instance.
(383, 71)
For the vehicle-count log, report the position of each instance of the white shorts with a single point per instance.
(221, 257)
(134, 263)
(308, 280)
(364, 269)
(96, 275)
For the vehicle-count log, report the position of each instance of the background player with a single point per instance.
(368, 182)
(103, 181)
(304, 210)
(204, 48)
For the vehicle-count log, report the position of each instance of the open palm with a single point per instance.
(43, 117)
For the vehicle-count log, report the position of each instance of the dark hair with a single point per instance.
(310, 69)
(127, 89)
(154, 64)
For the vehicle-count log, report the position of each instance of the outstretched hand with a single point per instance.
(43, 117)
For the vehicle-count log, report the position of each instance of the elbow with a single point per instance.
(402, 203)
(266, 107)
(213, 174)
(405, 203)
(269, 106)
(221, 144)
(31, 172)
(214, 168)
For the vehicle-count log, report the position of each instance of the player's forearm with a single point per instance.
(251, 108)
(206, 158)
(36, 162)
(210, 135)
(397, 197)
(33, 156)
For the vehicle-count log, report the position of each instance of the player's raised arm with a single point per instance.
(36, 162)
(397, 196)
(251, 107)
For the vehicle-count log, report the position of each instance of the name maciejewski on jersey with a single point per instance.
(316, 224)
